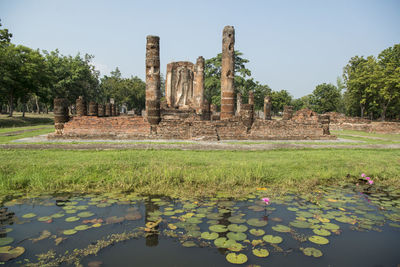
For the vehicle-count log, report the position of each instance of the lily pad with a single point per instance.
(133, 216)
(322, 232)
(6, 240)
(209, 235)
(85, 214)
(256, 222)
(57, 215)
(8, 253)
(312, 252)
(257, 232)
(189, 244)
(236, 236)
(330, 226)
(223, 242)
(318, 240)
(72, 219)
(69, 232)
(236, 219)
(236, 258)
(272, 239)
(28, 215)
(81, 227)
(281, 228)
(237, 228)
(219, 228)
(300, 224)
(43, 219)
(262, 253)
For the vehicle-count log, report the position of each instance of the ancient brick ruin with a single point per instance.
(185, 113)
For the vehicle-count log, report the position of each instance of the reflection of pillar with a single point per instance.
(60, 114)
(199, 84)
(238, 103)
(228, 73)
(81, 106)
(153, 93)
(267, 108)
(151, 239)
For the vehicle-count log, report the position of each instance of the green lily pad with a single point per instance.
(70, 211)
(272, 239)
(82, 207)
(318, 240)
(214, 216)
(189, 244)
(28, 215)
(292, 209)
(237, 228)
(312, 252)
(57, 215)
(330, 226)
(223, 242)
(72, 219)
(256, 222)
(194, 233)
(236, 258)
(281, 228)
(85, 214)
(322, 232)
(236, 219)
(257, 232)
(69, 232)
(236, 236)
(209, 235)
(8, 253)
(262, 253)
(169, 213)
(6, 240)
(43, 219)
(219, 228)
(300, 224)
(81, 227)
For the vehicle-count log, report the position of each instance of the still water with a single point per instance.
(351, 225)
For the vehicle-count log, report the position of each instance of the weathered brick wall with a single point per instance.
(341, 122)
(304, 125)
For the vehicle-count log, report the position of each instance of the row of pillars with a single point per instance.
(100, 110)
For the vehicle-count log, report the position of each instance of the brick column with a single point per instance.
(228, 73)
(153, 93)
(199, 84)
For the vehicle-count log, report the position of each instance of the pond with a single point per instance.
(351, 225)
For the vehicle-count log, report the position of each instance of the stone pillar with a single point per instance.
(92, 109)
(287, 113)
(267, 108)
(238, 103)
(206, 111)
(228, 73)
(199, 84)
(108, 109)
(251, 97)
(113, 110)
(247, 115)
(325, 121)
(100, 110)
(81, 107)
(61, 115)
(153, 93)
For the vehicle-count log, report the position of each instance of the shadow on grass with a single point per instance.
(6, 122)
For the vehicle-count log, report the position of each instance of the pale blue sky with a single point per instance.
(292, 45)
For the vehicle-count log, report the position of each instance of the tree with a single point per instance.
(325, 98)
(388, 76)
(302, 102)
(5, 36)
(279, 99)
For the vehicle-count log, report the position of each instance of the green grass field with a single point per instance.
(29, 120)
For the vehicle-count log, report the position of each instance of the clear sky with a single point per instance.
(292, 45)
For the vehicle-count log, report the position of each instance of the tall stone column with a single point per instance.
(153, 93)
(81, 107)
(251, 98)
(199, 84)
(228, 73)
(267, 108)
(238, 103)
(61, 114)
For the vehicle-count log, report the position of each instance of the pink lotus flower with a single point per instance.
(368, 178)
(363, 175)
(266, 200)
(370, 181)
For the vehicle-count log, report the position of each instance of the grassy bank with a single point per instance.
(30, 119)
(179, 173)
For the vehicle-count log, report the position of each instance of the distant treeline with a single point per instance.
(31, 79)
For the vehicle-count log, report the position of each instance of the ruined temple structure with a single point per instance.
(184, 113)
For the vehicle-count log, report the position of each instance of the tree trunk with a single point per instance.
(362, 111)
(11, 105)
(23, 110)
(383, 115)
(37, 104)
(47, 109)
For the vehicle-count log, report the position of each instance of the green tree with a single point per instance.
(5, 36)
(302, 102)
(326, 98)
(279, 99)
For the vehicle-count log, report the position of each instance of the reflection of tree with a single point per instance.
(224, 221)
(151, 238)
